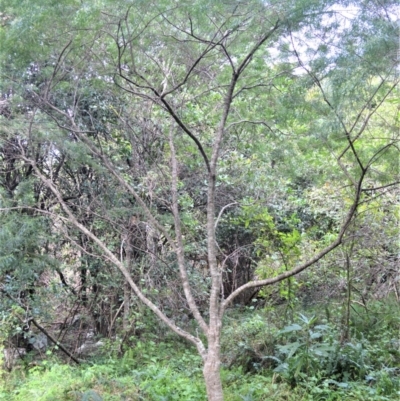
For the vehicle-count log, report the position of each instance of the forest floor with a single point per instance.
(305, 359)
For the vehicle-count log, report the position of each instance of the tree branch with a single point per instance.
(116, 262)
(178, 233)
(310, 262)
(42, 329)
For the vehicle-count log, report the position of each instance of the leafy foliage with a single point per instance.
(203, 151)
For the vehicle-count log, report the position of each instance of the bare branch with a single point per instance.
(326, 100)
(381, 187)
(305, 265)
(116, 262)
(367, 104)
(222, 211)
(178, 234)
(41, 328)
(171, 111)
(250, 55)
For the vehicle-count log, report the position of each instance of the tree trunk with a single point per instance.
(211, 372)
(126, 324)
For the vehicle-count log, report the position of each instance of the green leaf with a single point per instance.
(291, 328)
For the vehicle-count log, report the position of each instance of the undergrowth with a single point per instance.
(301, 359)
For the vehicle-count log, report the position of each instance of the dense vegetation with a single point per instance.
(199, 200)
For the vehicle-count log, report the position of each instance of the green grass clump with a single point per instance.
(62, 382)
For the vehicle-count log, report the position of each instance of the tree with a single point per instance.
(158, 94)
